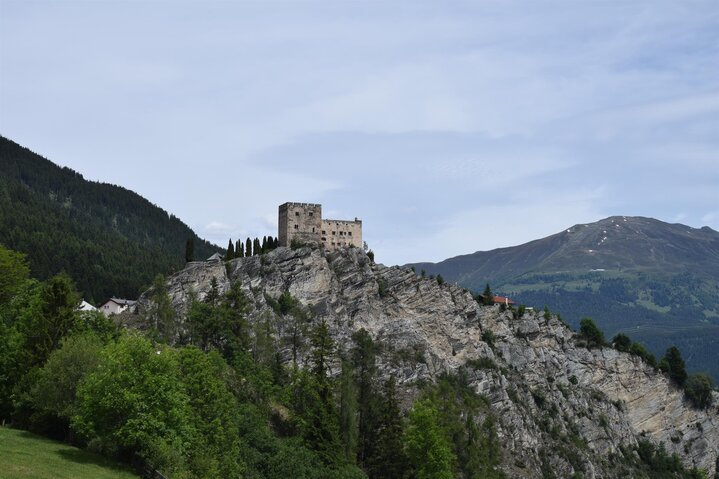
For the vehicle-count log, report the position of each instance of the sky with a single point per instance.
(447, 127)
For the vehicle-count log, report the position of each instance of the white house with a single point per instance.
(85, 306)
(116, 306)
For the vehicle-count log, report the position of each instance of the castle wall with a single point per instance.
(341, 233)
(301, 221)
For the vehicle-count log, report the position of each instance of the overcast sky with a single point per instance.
(447, 127)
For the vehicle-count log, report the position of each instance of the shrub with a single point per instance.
(590, 333)
(488, 337)
(621, 342)
(698, 389)
(638, 349)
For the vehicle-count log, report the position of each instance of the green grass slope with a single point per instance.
(25, 455)
(110, 240)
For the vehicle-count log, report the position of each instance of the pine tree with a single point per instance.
(248, 248)
(263, 248)
(256, 247)
(364, 355)
(674, 365)
(189, 250)
(240, 251)
(348, 412)
(230, 251)
(161, 313)
(390, 461)
(487, 296)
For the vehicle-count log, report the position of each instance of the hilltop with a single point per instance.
(110, 240)
(657, 282)
(552, 403)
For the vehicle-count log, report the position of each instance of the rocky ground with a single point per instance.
(558, 405)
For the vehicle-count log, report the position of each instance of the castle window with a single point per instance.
(323, 232)
(349, 233)
(297, 227)
(313, 229)
(310, 213)
(334, 232)
(297, 213)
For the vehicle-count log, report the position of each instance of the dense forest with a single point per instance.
(109, 239)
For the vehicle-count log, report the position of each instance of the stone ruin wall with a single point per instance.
(303, 222)
(341, 233)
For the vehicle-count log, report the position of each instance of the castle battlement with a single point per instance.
(303, 222)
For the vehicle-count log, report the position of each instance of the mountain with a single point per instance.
(655, 281)
(548, 405)
(110, 240)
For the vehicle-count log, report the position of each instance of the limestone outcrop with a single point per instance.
(558, 405)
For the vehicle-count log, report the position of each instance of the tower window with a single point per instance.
(297, 213)
(313, 229)
(349, 233)
(297, 227)
(310, 213)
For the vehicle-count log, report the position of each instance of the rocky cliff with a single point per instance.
(558, 406)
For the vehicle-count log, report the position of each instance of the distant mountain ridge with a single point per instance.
(657, 282)
(110, 240)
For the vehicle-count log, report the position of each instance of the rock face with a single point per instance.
(558, 405)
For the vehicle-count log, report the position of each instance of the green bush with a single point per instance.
(698, 389)
(590, 333)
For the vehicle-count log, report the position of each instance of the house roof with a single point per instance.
(502, 299)
(121, 302)
(85, 306)
(215, 257)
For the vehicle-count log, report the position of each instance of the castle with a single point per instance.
(303, 222)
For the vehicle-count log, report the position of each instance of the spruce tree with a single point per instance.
(348, 411)
(487, 296)
(189, 250)
(230, 251)
(675, 365)
(256, 247)
(364, 355)
(263, 248)
(390, 460)
(248, 247)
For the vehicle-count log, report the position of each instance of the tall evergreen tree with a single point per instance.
(230, 251)
(487, 296)
(248, 247)
(673, 363)
(264, 247)
(161, 315)
(256, 247)
(389, 461)
(240, 251)
(364, 355)
(189, 250)
(348, 411)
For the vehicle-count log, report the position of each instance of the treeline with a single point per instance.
(109, 239)
(226, 397)
(249, 247)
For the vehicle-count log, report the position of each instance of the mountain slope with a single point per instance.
(557, 406)
(110, 240)
(655, 281)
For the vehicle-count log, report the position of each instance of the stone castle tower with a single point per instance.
(303, 222)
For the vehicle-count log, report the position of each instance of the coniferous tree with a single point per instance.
(161, 313)
(348, 411)
(263, 248)
(428, 449)
(189, 250)
(256, 247)
(248, 247)
(487, 296)
(673, 363)
(230, 251)
(364, 355)
(389, 461)
(240, 251)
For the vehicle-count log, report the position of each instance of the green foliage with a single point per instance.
(590, 333)
(110, 240)
(190, 250)
(348, 411)
(488, 337)
(621, 342)
(53, 394)
(487, 296)
(660, 465)
(364, 356)
(547, 315)
(248, 247)
(440, 280)
(389, 460)
(428, 449)
(14, 272)
(674, 366)
(698, 389)
(638, 349)
(161, 315)
(382, 287)
(230, 253)
(370, 255)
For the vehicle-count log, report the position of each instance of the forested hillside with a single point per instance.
(655, 281)
(110, 240)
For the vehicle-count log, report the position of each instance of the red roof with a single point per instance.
(502, 299)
